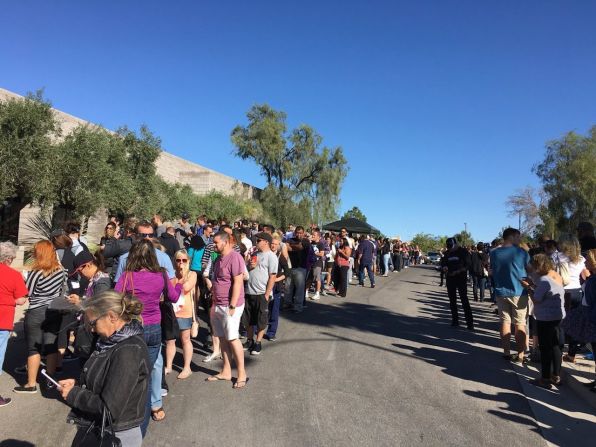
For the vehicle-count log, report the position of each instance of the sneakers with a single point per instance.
(164, 392)
(247, 346)
(271, 337)
(316, 297)
(372, 286)
(256, 348)
(212, 356)
(4, 401)
(25, 389)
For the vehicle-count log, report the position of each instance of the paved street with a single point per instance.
(380, 368)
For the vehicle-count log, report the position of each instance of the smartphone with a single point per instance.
(47, 376)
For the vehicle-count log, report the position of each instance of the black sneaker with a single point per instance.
(4, 401)
(256, 348)
(69, 356)
(372, 286)
(25, 389)
(248, 345)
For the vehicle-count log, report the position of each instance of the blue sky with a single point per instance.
(442, 107)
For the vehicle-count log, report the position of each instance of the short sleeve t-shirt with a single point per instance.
(508, 265)
(224, 270)
(12, 286)
(367, 250)
(259, 276)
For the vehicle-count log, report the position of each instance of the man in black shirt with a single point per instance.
(298, 249)
(455, 264)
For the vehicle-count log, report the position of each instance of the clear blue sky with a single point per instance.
(442, 107)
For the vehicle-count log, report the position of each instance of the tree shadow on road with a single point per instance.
(428, 336)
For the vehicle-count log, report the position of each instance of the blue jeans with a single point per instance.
(152, 336)
(4, 336)
(274, 306)
(386, 258)
(369, 271)
(295, 288)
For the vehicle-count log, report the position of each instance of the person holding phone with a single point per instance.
(116, 376)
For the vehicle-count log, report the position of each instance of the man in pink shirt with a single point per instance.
(228, 306)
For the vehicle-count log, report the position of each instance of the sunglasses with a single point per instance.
(93, 323)
(145, 235)
(181, 260)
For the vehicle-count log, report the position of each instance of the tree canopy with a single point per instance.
(354, 212)
(568, 176)
(303, 177)
(92, 168)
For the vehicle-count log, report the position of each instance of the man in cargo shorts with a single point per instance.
(508, 268)
(228, 300)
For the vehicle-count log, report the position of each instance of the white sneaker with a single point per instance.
(316, 297)
(212, 356)
(385, 275)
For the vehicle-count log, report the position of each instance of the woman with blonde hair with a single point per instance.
(45, 283)
(184, 309)
(116, 376)
(570, 254)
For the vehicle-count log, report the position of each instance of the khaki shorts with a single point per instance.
(225, 326)
(513, 308)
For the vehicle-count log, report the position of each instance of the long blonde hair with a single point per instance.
(569, 245)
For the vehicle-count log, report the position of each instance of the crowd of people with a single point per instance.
(545, 291)
(121, 309)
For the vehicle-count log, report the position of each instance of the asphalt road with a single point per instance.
(380, 368)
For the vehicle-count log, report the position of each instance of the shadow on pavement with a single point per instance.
(470, 356)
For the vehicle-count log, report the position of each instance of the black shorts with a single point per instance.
(41, 330)
(256, 312)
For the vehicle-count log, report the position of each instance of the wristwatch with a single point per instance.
(232, 307)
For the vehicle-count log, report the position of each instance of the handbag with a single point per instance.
(194, 328)
(170, 330)
(562, 269)
(100, 436)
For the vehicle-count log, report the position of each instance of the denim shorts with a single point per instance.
(184, 323)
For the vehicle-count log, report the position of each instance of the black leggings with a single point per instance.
(343, 281)
(550, 348)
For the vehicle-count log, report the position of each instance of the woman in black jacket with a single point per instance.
(116, 375)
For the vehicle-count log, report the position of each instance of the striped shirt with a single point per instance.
(43, 289)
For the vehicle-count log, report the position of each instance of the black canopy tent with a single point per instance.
(353, 225)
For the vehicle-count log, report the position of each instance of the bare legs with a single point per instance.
(187, 352)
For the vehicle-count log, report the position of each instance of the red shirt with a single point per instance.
(12, 286)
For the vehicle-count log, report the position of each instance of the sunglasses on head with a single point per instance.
(182, 260)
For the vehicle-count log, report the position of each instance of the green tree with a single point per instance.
(568, 177)
(355, 213)
(427, 242)
(464, 238)
(27, 161)
(296, 165)
(93, 172)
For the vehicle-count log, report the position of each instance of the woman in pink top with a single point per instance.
(185, 304)
(146, 280)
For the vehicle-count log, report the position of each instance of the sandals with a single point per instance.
(216, 378)
(239, 384)
(184, 374)
(158, 415)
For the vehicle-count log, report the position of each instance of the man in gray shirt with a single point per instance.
(262, 272)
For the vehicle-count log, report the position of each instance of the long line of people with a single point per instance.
(121, 310)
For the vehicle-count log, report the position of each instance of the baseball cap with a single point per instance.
(82, 258)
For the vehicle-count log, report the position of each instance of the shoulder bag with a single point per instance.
(100, 435)
(170, 330)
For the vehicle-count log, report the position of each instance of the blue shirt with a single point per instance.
(367, 249)
(162, 259)
(508, 265)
